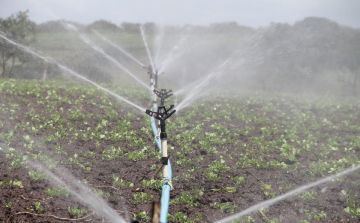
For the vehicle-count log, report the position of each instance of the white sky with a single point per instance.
(254, 13)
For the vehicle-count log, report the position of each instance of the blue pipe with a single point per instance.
(165, 195)
(165, 199)
(155, 130)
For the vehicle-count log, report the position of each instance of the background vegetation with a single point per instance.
(313, 55)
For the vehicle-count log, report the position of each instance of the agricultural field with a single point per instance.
(228, 153)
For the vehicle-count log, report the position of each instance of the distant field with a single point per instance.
(228, 153)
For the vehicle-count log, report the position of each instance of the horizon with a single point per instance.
(255, 14)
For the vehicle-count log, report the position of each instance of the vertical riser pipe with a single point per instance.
(164, 154)
(153, 123)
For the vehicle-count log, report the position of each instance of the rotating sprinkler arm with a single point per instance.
(161, 116)
(163, 94)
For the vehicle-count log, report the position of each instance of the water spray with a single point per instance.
(68, 70)
(162, 114)
(119, 48)
(147, 48)
(270, 202)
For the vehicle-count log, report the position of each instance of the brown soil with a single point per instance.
(55, 208)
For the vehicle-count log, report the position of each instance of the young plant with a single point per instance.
(353, 208)
(212, 176)
(38, 175)
(226, 207)
(142, 216)
(37, 207)
(189, 199)
(57, 191)
(79, 213)
(142, 198)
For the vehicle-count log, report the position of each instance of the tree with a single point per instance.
(20, 29)
(133, 28)
(102, 25)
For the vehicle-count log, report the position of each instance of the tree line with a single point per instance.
(314, 54)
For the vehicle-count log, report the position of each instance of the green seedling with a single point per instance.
(142, 216)
(308, 195)
(37, 207)
(189, 199)
(353, 208)
(77, 212)
(142, 198)
(238, 180)
(57, 191)
(38, 175)
(226, 207)
(152, 184)
(212, 176)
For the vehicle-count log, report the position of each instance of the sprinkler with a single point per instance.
(153, 73)
(153, 84)
(162, 114)
(163, 94)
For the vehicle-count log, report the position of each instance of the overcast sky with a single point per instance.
(254, 13)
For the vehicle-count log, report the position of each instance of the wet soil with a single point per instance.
(329, 197)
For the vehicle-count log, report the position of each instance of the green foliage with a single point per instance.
(101, 193)
(308, 195)
(37, 206)
(136, 155)
(246, 219)
(8, 203)
(112, 153)
(38, 175)
(16, 27)
(11, 182)
(314, 214)
(238, 180)
(152, 184)
(142, 216)
(57, 191)
(180, 217)
(142, 198)
(17, 183)
(77, 212)
(118, 182)
(212, 176)
(226, 207)
(281, 131)
(189, 199)
(353, 208)
(218, 166)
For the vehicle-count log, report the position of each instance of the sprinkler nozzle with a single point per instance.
(149, 112)
(163, 94)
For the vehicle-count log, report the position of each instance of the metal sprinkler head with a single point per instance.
(153, 73)
(163, 94)
(161, 115)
